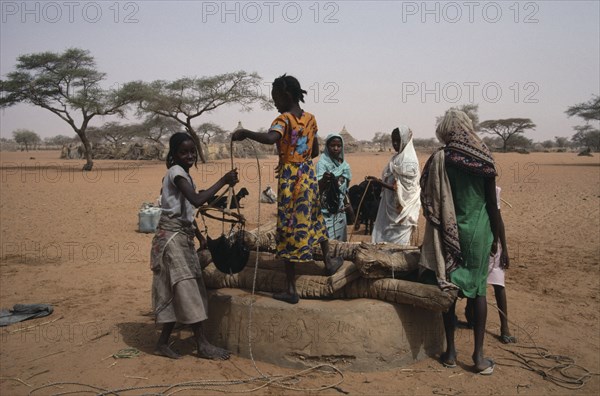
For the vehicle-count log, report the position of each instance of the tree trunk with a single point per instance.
(196, 139)
(504, 145)
(88, 151)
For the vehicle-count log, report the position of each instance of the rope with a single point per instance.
(127, 353)
(557, 372)
(274, 380)
(250, 307)
(279, 381)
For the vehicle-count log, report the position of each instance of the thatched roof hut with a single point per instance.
(350, 143)
(348, 139)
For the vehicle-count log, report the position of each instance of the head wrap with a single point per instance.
(404, 165)
(463, 148)
(405, 136)
(328, 164)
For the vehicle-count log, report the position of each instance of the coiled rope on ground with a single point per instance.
(559, 371)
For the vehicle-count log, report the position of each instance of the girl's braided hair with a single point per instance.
(176, 140)
(291, 85)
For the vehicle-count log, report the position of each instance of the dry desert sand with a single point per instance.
(70, 239)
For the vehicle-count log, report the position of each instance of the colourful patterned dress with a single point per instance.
(300, 223)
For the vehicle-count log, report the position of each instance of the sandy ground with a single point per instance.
(70, 239)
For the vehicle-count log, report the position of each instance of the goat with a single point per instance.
(222, 201)
(268, 195)
(370, 204)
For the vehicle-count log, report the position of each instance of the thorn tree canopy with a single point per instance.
(506, 128)
(187, 98)
(68, 85)
(116, 134)
(155, 128)
(26, 137)
(587, 135)
(589, 110)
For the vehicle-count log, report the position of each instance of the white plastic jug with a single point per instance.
(148, 218)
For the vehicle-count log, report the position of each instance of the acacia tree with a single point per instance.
(58, 140)
(548, 144)
(561, 141)
(519, 141)
(493, 142)
(155, 128)
(190, 97)
(589, 110)
(506, 128)
(115, 133)
(26, 137)
(208, 130)
(587, 135)
(68, 85)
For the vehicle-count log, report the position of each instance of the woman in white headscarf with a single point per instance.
(398, 213)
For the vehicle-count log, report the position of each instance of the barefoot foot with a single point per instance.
(507, 339)
(164, 350)
(209, 351)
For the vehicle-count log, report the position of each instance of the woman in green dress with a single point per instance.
(458, 195)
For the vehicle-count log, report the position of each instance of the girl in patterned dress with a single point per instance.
(300, 223)
(178, 292)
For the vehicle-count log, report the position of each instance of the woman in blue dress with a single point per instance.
(334, 175)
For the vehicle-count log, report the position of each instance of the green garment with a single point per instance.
(474, 231)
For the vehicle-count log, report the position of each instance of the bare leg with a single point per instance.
(291, 294)
(162, 346)
(205, 349)
(448, 358)
(332, 264)
(505, 335)
(470, 313)
(481, 363)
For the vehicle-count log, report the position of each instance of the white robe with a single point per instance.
(392, 225)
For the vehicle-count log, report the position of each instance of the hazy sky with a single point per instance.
(367, 65)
